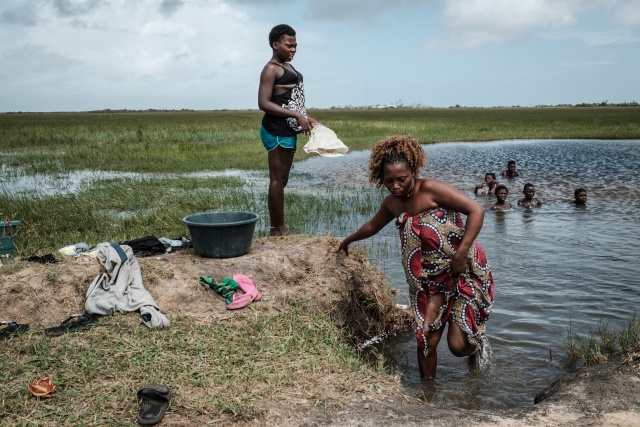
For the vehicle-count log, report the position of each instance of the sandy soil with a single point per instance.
(606, 395)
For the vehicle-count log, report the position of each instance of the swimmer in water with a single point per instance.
(580, 196)
(488, 186)
(510, 171)
(502, 204)
(529, 201)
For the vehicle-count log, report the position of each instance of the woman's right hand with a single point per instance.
(304, 123)
(458, 264)
(344, 247)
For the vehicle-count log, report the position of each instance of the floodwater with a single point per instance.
(556, 267)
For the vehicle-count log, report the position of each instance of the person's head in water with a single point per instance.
(580, 196)
(395, 163)
(501, 193)
(490, 179)
(529, 191)
(510, 171)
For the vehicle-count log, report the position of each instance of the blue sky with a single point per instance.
(78, 55)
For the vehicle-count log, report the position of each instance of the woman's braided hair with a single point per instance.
(395, 149)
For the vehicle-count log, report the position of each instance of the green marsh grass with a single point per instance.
(216, 140)
(600, 344)
(190, 141)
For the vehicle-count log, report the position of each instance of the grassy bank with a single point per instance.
(293, 349)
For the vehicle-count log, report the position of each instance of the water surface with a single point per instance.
(555, 267)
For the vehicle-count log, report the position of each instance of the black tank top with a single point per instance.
(292, 99)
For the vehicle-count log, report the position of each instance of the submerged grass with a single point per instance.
(600, 344)
(122, 209)
(221, 369)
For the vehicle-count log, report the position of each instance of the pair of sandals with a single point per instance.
(74, 322)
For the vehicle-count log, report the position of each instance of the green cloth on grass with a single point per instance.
(226, 289)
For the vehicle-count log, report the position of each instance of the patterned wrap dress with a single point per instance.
(428, 242)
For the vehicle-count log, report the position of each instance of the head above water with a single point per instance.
(394, 150)
(279, 31)
(490, 175)
(580, 196)
(500, 188)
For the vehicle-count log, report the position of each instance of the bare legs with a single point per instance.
(456, 339)
(280, 160)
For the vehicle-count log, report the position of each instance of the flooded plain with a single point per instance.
(556, 268)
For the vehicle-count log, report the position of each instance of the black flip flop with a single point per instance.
(12, 328)
(154, 401)
(75, 322)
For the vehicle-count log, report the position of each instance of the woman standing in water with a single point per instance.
(449, 278)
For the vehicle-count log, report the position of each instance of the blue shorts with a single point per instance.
(272, 141)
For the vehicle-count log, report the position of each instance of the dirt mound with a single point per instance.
(349, 288)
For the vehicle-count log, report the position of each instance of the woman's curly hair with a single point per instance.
(395, 149)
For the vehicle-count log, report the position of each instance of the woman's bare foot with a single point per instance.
(278, 233)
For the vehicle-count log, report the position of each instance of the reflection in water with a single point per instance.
(555, 267)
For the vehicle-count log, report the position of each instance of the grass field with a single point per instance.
(216, 140)
(187, 141)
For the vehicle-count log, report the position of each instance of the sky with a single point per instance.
(83, 55)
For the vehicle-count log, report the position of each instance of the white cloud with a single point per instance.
(628, 13)
(166, 28)
(127, 49)
(355, 10)
(475, 23)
